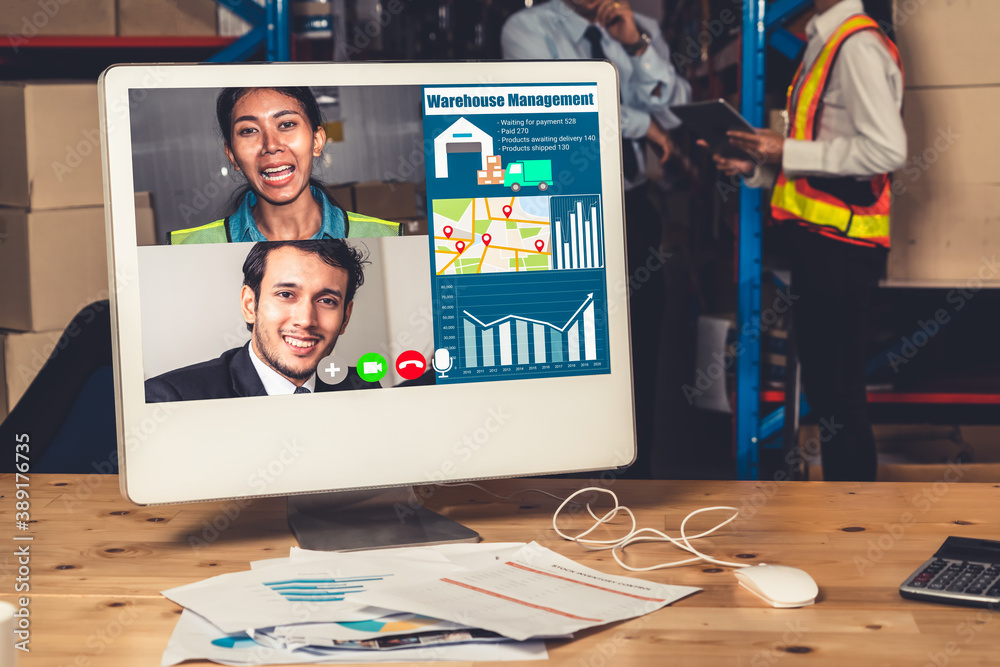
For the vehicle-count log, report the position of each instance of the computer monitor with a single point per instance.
(452, 291)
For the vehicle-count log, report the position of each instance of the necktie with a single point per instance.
(302, 390)
(593, 35)
(630, 165)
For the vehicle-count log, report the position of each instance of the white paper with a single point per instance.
(287, 594)
(536, 593)
(472, 556)
(322, 634)
(318, 587)
(385, 642)
(193, 637)
(464, 554)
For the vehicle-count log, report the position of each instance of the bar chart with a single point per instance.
(577, 232)
(522, 340)
(320, 589)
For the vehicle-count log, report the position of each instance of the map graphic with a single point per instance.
(491, 235)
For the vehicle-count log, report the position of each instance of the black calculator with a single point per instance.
(964, 571)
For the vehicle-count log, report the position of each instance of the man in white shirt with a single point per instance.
(830, 173)
(649, 86)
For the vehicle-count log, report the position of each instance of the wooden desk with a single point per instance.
(98, 564)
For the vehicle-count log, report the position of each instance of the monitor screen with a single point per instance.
(447, 238)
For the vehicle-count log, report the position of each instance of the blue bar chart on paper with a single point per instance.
(504, 327)
(319, 589)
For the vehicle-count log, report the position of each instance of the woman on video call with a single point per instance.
(271, 137)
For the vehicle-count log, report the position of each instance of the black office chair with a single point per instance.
(68, 411)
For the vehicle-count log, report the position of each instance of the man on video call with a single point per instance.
(297, 300)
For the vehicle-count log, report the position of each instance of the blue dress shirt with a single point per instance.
(243, 228)
(649, 83)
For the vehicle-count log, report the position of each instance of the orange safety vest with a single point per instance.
(845, 208)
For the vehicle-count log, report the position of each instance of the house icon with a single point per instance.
(461, 137)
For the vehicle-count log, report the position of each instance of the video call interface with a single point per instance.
(497, 273)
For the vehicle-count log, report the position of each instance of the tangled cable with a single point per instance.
(617, 546)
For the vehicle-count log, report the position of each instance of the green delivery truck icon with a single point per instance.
(528, 172)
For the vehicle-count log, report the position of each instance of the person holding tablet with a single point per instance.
(297, 300)
(831, 179)
(272, 136)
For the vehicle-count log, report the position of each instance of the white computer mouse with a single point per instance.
(779, 585)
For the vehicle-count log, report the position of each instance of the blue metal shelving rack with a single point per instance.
(269, 26)
(761, 26)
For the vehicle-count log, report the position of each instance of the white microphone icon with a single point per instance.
(442, 361)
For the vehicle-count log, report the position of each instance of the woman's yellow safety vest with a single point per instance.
(848, 209)
(358, 226)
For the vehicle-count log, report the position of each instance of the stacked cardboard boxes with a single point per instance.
(493, 174)
(189, 18)
(946, 205)
(23, 20)
(53, 254)
(395, 201)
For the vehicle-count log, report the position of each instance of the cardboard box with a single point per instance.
(946, 43)
(187, 18)
(22, 20)
(52, 264)
(777, 120)
(414, 226)
(946, 232)
(952, 135)
(52, 146)
(389, 201)
(145, 221)
(946, 200)
(344, 194)
(22, 355)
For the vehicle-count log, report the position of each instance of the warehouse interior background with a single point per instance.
(934, 381)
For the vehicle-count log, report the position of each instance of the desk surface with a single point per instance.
(98, 564)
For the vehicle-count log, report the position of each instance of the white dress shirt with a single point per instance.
(276, 384)
(649, 83)
(859, 131)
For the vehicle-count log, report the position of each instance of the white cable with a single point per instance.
(641, 535)
(497, 495)
(633, 536)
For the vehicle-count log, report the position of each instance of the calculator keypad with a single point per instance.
(960, 577)
(964, 571)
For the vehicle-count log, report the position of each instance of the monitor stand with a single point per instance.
(370, 519)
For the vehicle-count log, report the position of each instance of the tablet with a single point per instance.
(710, 120)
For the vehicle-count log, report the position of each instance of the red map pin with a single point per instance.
(447, 232)
(507, 210)
(539, 244)
(487, 238)
(459, 246)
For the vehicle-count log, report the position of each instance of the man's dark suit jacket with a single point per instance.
(229, 376)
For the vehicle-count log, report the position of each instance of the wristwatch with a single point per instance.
(638, 45)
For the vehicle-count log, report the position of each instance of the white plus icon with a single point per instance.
(332, 369)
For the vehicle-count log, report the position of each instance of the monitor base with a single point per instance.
(376, 519)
